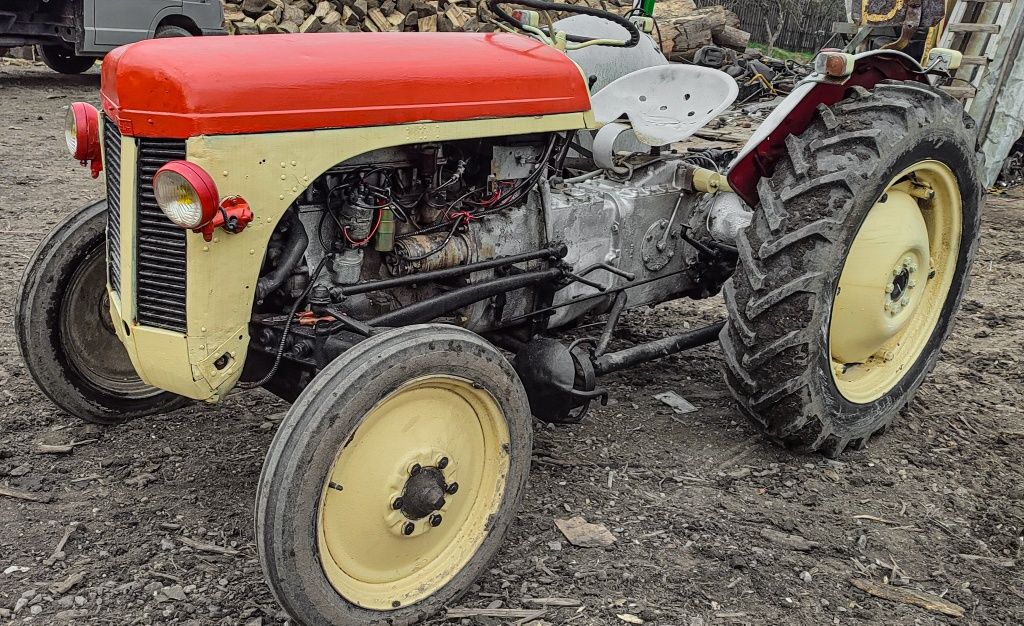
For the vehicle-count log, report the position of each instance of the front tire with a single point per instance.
(853, 267)
(391, 481)
(62, 58)
(62, 323)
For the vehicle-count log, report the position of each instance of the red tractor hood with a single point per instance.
(183, 87)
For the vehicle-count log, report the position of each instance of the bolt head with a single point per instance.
(435, 520)
(408, 528)
(397, 504)
(442, 463)
(888, 288)
(905, 301)
(415, 469)
(452, 488)
(888, 355)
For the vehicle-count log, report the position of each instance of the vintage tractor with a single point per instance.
(390, 230)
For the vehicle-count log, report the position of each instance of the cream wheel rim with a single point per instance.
(411, 496)
(895, 281)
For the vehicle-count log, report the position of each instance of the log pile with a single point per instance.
(312, 16)
(682, 36)
(684, 27)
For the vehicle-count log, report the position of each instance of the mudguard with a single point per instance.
(767, 146)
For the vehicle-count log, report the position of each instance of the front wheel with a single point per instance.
(62, 58)
(854, 266)
(62, 322)
(393, 478)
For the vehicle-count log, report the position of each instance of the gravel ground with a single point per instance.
(151, 522)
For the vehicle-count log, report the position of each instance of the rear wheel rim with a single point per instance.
(411, 496)
(896, 281)
(90, 344)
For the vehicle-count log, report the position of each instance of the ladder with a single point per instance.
(974, 28)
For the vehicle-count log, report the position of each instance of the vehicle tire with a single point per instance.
(64, 60)
(850, 275)
(170, 30)
(64, 330)
(373, 428)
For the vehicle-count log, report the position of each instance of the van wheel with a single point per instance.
(393, 478)
(64, 332)
(64, 60)
(170, 30)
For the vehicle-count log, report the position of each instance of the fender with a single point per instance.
(767, 146)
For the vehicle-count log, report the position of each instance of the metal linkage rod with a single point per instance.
(615, 361)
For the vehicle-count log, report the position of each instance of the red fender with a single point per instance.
(758, 158)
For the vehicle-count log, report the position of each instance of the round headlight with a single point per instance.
(71, 132)
(185, 193)
(82, 131)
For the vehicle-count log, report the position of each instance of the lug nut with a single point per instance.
(415, 469)
(452, 488)
(435, 520)
(408, 528)
(397, 504)
(443, 463)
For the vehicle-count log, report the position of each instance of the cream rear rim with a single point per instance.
(410, 498)
(895, 281)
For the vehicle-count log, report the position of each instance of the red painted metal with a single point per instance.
(183, 87)
(87, 136)
(201, 182)
(745, 175)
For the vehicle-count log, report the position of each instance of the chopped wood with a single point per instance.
(428, 24)
(310, 25)
(562, 602)
(731, 37)
(64, 586)
(19, 494)
(524, 614)
(793, 542)
(921, 599)
(396, 19)
(322, 9)
(332, 18)
(582, 534)
(456, 15)
(203, 546)
(377, 18)
(45, 448)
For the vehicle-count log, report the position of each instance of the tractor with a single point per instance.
(397, 233)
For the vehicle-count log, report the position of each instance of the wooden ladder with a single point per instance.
(974, 28)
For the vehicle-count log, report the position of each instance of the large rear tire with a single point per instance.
(64, 332)
(392, 479)
(64, 60)
(854, 266)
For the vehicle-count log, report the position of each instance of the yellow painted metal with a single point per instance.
(270, 171)
(363, 551)
(895, 281)
(707, 181)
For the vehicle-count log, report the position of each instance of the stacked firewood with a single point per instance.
(683, 27)
(311, 16)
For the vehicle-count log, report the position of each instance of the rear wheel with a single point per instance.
(854, 267)
(64, 331)
(393, 478)
(62, 58)
(170, 30)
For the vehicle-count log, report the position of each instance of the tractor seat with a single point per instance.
(666, 103)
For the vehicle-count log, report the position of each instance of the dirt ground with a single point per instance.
(713, 524)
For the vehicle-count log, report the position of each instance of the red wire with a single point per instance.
(373, 231)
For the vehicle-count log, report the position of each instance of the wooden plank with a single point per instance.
(844, 28)
(992, 29)
(969, 60)
(961, 93)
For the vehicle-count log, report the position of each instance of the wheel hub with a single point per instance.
(424, 493)
(895, 281)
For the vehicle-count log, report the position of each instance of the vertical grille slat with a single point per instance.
(112, 167)
(160, 247)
